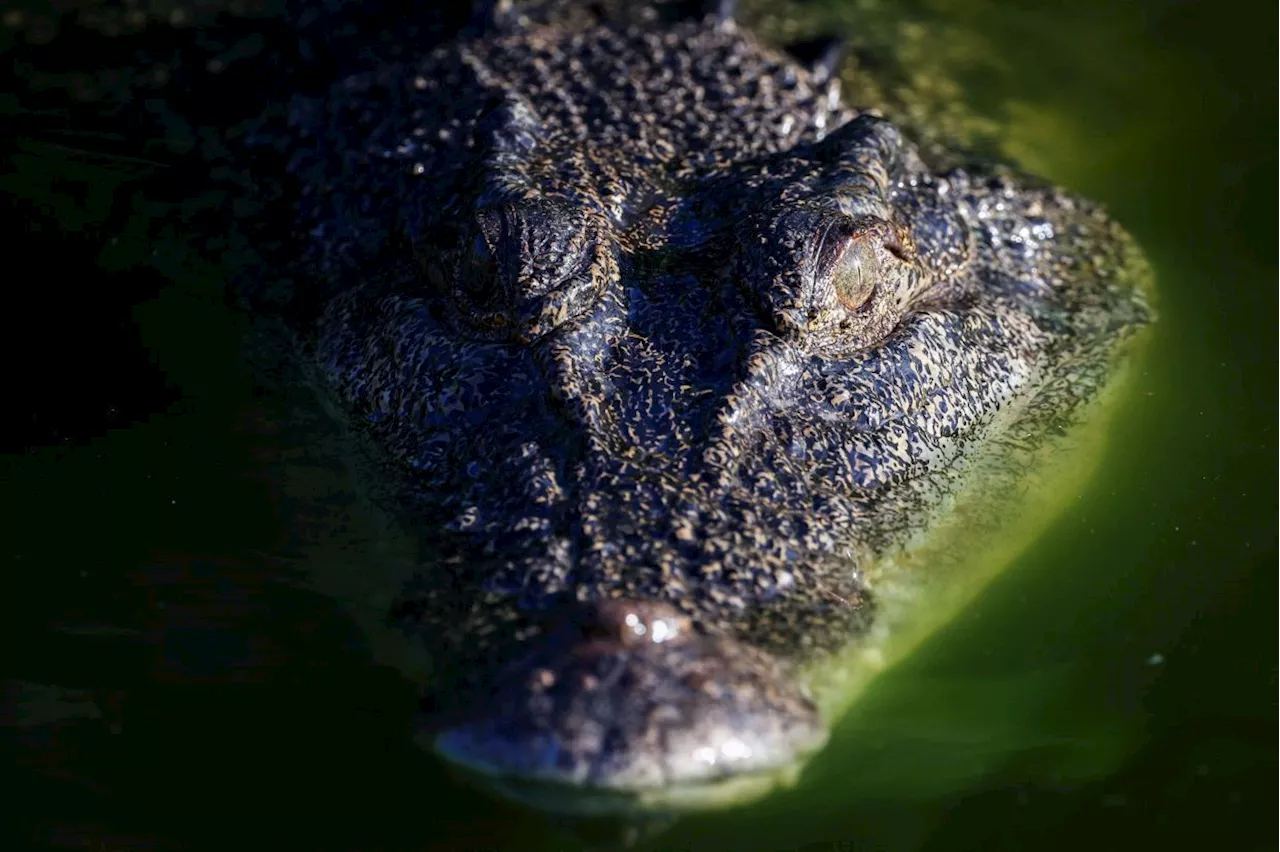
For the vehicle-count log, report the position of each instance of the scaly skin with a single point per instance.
(661, 346)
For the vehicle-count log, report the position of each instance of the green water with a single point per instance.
(1114, 688)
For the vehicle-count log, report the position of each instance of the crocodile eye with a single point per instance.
(527, 268)
(855, 278)
(871, 273)
(478, 271)
(476, 279)
(854, 262)
(832, 282)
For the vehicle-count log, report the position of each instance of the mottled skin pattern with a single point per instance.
(659, 345)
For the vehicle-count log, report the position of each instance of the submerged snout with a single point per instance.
(626, 706)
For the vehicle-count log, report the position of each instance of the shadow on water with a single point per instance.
(172, 681)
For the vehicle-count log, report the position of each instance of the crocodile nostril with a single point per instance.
(634, 622)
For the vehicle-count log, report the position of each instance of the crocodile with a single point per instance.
(663, 350)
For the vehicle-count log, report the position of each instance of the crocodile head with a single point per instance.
(661, 346)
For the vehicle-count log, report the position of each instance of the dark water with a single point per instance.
(171, 683)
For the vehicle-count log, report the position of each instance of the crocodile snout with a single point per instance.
(627, 706)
